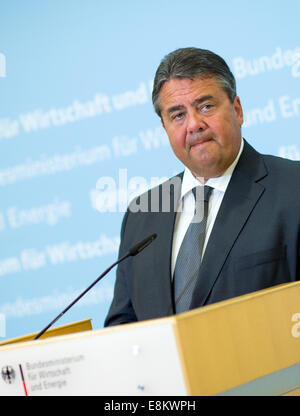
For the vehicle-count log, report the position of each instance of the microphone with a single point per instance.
(137, 248)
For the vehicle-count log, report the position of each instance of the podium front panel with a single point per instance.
(130, 360)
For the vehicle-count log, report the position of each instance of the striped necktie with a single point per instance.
(189, 256)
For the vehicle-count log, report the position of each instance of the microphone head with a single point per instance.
(137, 248)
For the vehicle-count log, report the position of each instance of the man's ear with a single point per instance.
(238, 110)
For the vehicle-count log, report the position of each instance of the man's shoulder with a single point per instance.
(280, 163)
(270, 164)
(283, 175)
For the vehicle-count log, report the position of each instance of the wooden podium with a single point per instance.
(248, 345)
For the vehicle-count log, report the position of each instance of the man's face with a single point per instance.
(202, 124)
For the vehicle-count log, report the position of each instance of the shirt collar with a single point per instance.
(189, 181)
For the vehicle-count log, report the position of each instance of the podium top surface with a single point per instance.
(74, 327)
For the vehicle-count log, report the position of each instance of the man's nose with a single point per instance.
(196, 122)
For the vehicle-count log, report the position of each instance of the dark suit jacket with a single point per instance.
(254, 244)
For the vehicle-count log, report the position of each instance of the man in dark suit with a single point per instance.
(252, 224)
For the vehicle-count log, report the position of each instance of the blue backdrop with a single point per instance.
(79, 137)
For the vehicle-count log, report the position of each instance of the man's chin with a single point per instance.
(206, 170)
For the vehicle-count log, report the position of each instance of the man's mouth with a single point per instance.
(199, 143)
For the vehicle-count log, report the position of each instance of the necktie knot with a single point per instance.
(202, 193)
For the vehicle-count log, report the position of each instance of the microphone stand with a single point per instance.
(132, 252)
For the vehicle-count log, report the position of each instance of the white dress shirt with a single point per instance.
(187, 205)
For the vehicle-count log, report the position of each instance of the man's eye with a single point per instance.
(177, 116)
(206, 107)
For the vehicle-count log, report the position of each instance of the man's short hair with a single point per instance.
(192, 63)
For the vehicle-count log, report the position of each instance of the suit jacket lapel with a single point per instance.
(239, 200)
(165, 228)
